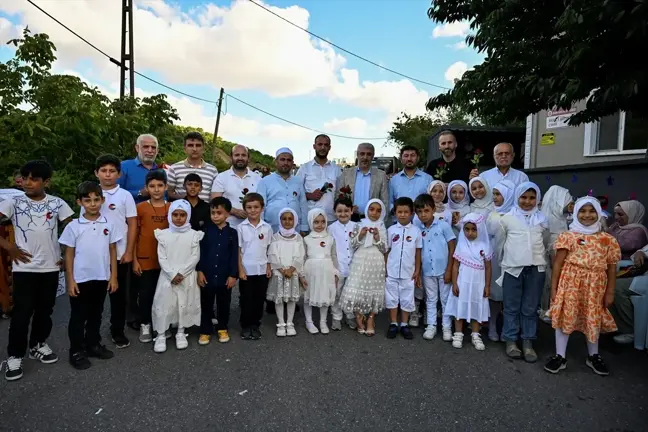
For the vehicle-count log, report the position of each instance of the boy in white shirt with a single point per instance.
(341, 231)
(36, 260)
(404, 242)
(254, 236)
(90, 271)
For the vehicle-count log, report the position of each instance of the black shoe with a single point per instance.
(79, 361)
(596, 363)
(392, 332)
(256, 333)
(246, 334)
(14, 368)
(99, 351)
(134, 325)
(43, 353)
(556, 364)
(406, 332)
(120, 340)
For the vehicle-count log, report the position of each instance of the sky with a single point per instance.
(199, 46)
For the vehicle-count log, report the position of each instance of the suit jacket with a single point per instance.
(377, 187)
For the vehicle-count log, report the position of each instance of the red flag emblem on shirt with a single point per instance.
(48, 216)
(481, 252)
(581, 242)
(294, 193)
(424, 233)
(395, 238)
(323, 244)
(112, 206)
(261, 236)
(106, 232)
(408, 238)
(351, 234)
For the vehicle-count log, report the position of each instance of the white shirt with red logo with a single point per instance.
(402, 242)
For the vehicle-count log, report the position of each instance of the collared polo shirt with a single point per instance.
(342, 235)
(434, 254)
(234, 188)
(254, 242)
(402, 242)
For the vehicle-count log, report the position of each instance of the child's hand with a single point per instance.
(61, 264)
(303, 282)
(126, 258)
(137, 269)
(419, 282)
(242, 275)
(376, 235)
(291, 271)
(609, 299)
(455, 290)
(73, 289)
(283, 272)
(363, 233)
(416, 275)
(337, 279)
(230, 282)
(639, 259)
(487, 291)
(18, 255)
(268, 271)
(447, 277)
(177, 279)
(113, 285)
(202, 280)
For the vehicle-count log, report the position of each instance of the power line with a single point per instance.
(347, 51)
(116, 62)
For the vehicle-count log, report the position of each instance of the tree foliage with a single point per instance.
(542, 54)
(65, 121)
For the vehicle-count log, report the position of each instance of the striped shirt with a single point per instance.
(179, 170)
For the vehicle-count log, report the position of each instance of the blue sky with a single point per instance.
(198, 46)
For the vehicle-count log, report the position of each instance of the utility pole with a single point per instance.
(218, 116)
(127, 54)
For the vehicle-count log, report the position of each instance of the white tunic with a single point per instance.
(320, 269)
(283, 254)
(471, 303)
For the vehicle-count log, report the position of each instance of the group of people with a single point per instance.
(166, 246)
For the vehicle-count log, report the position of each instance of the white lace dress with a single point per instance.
(320, 269)
(364, 290)
(284, 253)
(471, 303)
(177, 304)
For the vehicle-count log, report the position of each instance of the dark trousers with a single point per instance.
(223, 297)
(147, 283)
(34, 295)
(85, 315)
(253, 294)
(118, 300)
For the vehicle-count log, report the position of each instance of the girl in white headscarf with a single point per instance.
(320, 270)
(483, 196)
(177, 295)
(470, 279)
(458, 202)
(286, 257)
(582, 285)
(364, 291)
(437, 190)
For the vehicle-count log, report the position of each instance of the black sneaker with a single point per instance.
(43, 353)
(14, 368)
(392, 332)
(556, 364)
(133, 325)
(79, 361)
(120, 340)
(406, 332)
(256, 333)
(596, 363)
(246, 334)
(99, 351)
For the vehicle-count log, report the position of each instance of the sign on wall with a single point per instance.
(548, 139)
(559, 118)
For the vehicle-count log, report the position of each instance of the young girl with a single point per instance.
(286, 257)
(364, 291)
(458, 201)
(320, 270)
(582, 285)
(471, 274)
(177, 296)
(482, 195)
(437, 190)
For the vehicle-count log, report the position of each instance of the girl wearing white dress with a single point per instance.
(458, 202)
(471, 275)
(483, 196)
(177, 296)
(286, 257)
(364, 291)
(437, 190)
(320, 270)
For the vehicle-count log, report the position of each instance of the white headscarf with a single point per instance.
(577, 226)
(462, 207)
(288, 232)
(312, 214)
(506, 188)
(553, 207)
(366, 222)
(185, 207)
(474, 253)
(531, 217)
(483, 205)
(439, 207)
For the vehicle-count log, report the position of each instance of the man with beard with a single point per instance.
(411, 181)
(134, 171)
(319, 177)
(194, 147)
(235, 183)
(449, 167)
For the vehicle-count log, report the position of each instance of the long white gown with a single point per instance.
(284, 253)
(320, 269)
(177, 304)
(471, 303)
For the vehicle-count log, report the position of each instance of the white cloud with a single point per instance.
(456, 71)
(452, 29)
(8, 30)
(458, 46)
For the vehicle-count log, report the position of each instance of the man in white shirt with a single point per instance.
(319, 177)
(235, 183)
(504, 156)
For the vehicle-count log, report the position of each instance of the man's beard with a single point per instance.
(240, 165)
(146, 159)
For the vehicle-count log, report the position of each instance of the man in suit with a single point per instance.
(364, 181)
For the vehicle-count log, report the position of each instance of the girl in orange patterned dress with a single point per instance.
(582, 284)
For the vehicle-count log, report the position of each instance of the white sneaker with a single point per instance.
(160, 344)
(430, 332)
(311, 328)
(414, 319)
(145, 333)
(447, 334)
(324, 328)
(281, 330)
(181, 341)
(477, 342)
(624, 339)
(457, 340)
(290, 330)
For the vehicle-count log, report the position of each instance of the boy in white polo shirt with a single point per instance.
(404, 242)
(90, 272)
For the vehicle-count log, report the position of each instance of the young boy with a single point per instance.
(439, 244)
(120, 210)
(151, 215)
(217, 270)
(341, 231)
(404, 242)
(200, 212)
(90, 271)
(254, 237)
(36, 260)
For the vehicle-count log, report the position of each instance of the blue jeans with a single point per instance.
(521, 301)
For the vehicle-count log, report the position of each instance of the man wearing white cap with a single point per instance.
(281, 189)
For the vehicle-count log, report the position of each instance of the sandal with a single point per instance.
(360, 322)
(370, 331)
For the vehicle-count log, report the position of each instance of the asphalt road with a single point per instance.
(342, 381)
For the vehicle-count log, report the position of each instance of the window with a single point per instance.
(621, 133)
